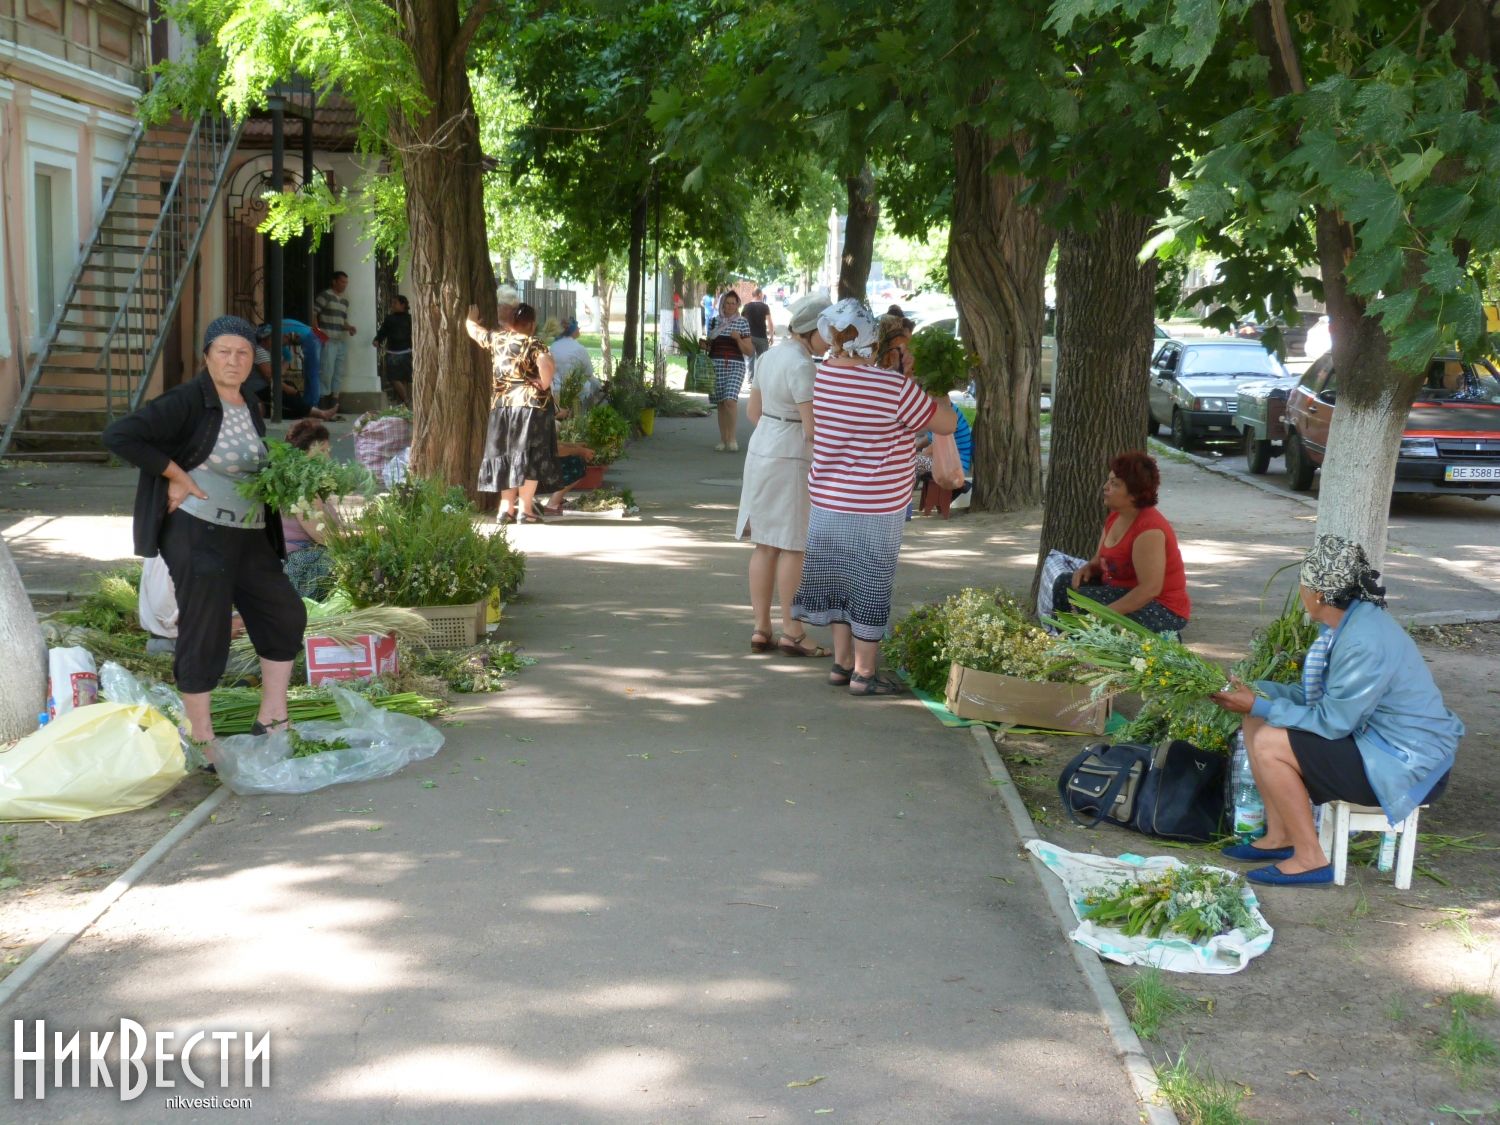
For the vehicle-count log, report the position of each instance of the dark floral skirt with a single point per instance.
(520, 444)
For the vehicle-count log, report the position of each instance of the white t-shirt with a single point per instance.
(569, 355)
(784, 375)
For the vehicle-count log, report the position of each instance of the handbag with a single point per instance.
(1174, 791)
(947, 467)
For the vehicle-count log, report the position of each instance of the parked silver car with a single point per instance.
(1194, 386)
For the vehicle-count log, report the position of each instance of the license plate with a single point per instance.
(1472, 472)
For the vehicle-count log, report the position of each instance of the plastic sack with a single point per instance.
(72, 680)
(1080, 873)
(92, 761)
(947, 466)
(380, 743)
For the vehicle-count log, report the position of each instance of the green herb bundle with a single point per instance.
(1190, 901)
(375, 415)
(422, 544)
(605, 431)
(987, 630)
(940, 363)
(306, 747)
(293, 480)
(234, 710)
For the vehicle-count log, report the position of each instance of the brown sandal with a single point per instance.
(789, 645)
(760, 640)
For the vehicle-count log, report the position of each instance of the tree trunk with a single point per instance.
(1105, 310)
(510, 270)
(604, 291)
(24, 653)
(450, 264)
(859, 234)
(635, 275)
(1364, 442)
(997, 262)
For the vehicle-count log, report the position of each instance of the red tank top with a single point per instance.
(1119, 566)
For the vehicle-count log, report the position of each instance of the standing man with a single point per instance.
(762, 331)
(331, 317)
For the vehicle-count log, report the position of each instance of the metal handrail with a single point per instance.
(43, 353)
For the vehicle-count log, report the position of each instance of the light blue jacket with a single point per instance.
(1379, 690)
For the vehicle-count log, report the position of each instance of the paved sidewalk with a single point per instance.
(660, 879)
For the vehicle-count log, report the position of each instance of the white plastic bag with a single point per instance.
(1080, 873)
(73, 680)
(380, 743)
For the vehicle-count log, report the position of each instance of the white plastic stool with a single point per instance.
(1340, 818)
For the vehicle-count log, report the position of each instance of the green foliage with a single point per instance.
(112, 605)
(605, 432)
(421, 545)
(987, 630)
(1468, 1049)
(292, 479)
(626, 393)
(311, 208)
(1393, 136)
(1199, 1097)
(939, 362)
(484, 668)
(916, 647)
(1152, 1000)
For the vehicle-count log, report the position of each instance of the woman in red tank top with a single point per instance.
(1137, 567)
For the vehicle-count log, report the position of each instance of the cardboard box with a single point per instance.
(1025, 703)
(368, 656)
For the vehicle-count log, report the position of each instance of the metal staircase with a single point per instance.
(97, 355)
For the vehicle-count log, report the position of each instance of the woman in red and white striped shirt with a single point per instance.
(865, 419)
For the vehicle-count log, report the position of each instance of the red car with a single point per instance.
(1451, 445)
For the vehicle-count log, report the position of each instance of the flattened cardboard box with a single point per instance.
(1026, 703)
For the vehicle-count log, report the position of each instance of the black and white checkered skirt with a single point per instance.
(849, 571)
(729, 377)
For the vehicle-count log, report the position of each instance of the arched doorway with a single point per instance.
(304, 270)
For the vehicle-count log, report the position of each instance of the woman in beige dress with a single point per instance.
(773, 500)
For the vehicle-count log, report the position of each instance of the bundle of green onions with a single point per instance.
(234, 710)
(1127, 656)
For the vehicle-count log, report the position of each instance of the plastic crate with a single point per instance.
(452, 626)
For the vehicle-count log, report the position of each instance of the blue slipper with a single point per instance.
(1273, 876)
(1249, 851)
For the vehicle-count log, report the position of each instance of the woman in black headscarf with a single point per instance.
(194, 445)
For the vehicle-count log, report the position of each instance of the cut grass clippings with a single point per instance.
(1151, 1001)
(1200, 1098)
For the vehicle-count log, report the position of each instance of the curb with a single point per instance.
(1128, 1046)
(86, 915)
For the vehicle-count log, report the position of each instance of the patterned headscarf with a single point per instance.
(1338, 568)
(849, 313)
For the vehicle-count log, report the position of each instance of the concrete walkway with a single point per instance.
(660, 880)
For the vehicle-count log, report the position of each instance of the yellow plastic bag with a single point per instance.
(93, 761)
(494, 607)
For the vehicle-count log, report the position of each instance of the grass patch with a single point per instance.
(1467, 1049)
(1200, 1097)
(1152, 1001)
(1160, 449)
(1395, 1010)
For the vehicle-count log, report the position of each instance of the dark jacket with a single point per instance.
(395, 332)
(182, 426)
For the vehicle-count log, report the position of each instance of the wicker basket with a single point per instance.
(453, 626)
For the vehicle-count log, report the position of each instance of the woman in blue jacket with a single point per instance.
(1366, 725)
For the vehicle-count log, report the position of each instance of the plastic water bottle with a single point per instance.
(1387, 857)
(1249, 809)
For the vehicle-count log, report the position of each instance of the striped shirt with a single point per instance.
(864, 420)
(1315, 667)
(332, 313)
